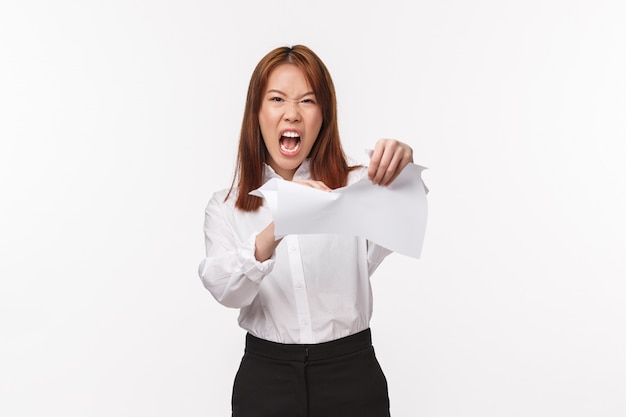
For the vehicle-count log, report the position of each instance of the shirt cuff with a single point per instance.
(250, 266)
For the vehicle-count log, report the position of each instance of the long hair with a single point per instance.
(328, 162)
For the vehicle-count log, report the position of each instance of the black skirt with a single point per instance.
(341, 378)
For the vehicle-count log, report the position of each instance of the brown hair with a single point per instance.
(328, 161)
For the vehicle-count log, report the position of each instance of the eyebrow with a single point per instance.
(308, 93)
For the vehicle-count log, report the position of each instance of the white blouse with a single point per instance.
(315, 288)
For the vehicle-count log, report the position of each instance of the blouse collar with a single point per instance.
(302, 173)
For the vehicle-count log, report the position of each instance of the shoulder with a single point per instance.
(221, 200)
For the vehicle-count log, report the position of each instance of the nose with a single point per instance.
(292, 112)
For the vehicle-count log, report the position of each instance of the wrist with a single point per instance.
(265, 244)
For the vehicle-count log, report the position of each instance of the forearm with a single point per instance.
(265, 244)
(234, 277)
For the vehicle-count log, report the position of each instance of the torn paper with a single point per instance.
(392, 216)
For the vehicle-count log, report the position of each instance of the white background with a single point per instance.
(118, 120)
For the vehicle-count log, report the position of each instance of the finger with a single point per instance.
(375, 158)
(400, 160)
(319, 185)
(304, 182)
(393, 170)
(385, 160)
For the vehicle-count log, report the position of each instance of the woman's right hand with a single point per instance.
(265, 243)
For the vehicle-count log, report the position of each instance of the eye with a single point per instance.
(308, 101)
(276, 99)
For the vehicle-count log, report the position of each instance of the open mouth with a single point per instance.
(289, 143)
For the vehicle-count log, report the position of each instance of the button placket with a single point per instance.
(299, 288)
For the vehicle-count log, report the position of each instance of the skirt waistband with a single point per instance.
(312, 352)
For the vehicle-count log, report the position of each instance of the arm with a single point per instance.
(230, 270)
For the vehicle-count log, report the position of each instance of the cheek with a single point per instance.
(265, 126)
(316, 121)
(318, 128)
(266, 115)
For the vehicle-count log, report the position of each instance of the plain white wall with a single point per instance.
(119, 119)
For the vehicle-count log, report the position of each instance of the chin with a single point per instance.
(291, 164)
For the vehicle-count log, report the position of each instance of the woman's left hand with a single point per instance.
(389, 158)
(318, 185)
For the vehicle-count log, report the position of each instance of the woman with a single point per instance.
(305, 301)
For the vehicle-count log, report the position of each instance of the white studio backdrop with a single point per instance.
(119, 119)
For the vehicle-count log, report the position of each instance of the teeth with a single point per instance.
(294, 150)
(291, 134)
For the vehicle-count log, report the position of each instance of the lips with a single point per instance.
(289, 142)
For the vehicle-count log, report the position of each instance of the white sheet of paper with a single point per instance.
(393, 216)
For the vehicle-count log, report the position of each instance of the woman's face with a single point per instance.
(290, 119)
